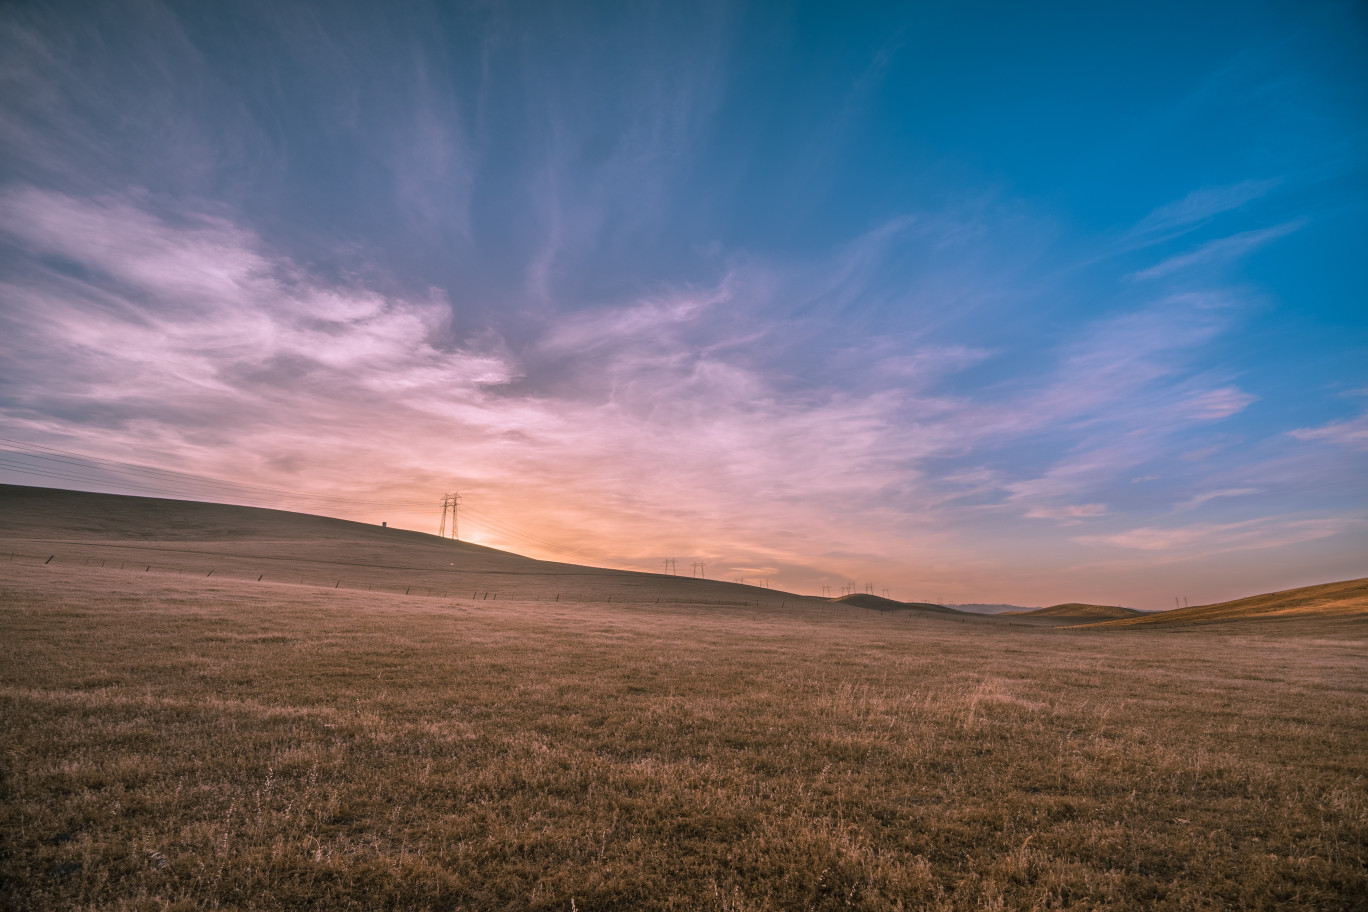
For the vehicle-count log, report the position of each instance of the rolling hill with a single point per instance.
(879, 603)
(189, 537)
(988, 608)
(154, 535)
(1345, 599)
(1077, 610)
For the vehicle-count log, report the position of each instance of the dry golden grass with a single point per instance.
(1347, 600)
(192, 742)
(184, 744)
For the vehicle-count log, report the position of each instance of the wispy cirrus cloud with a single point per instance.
(1068, 512)
(190, 335)
(1191, 541)
(1219, 251)
(1196, 209)
(190, 341)
(1198, 500)
(1352, 433)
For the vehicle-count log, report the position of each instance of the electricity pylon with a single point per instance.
(450, 502)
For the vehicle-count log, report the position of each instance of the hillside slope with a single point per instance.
(1348, 598)
(190, 537)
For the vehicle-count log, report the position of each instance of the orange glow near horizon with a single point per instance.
(1000, 342)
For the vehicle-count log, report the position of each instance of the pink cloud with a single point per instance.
(1215, 537)
(652, 428)
(1352, 433)
(1068, 511)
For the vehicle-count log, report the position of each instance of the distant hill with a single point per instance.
(1343, 599)
(977, 608)
(879, 603)
(1079, 610)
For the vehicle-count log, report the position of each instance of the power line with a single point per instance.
(504, 528)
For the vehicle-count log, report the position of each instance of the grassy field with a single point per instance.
(191, 742)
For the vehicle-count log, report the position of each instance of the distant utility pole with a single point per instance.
(826, 592)
(869, 588)
(885, 593)
(670, 566)
(1175, 602)
(450, 503)
(698, 570)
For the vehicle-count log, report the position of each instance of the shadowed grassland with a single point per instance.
(177, 743)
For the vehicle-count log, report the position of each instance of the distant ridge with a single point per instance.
(995, 608)
(1078, 610)
(1348, 598)
(879, 603)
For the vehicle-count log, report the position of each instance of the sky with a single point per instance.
(972, 302)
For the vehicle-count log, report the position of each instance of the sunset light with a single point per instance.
(1025, 307)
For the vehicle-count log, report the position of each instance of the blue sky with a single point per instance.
(989, 302)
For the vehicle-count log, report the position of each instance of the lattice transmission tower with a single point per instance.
(450, 504)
